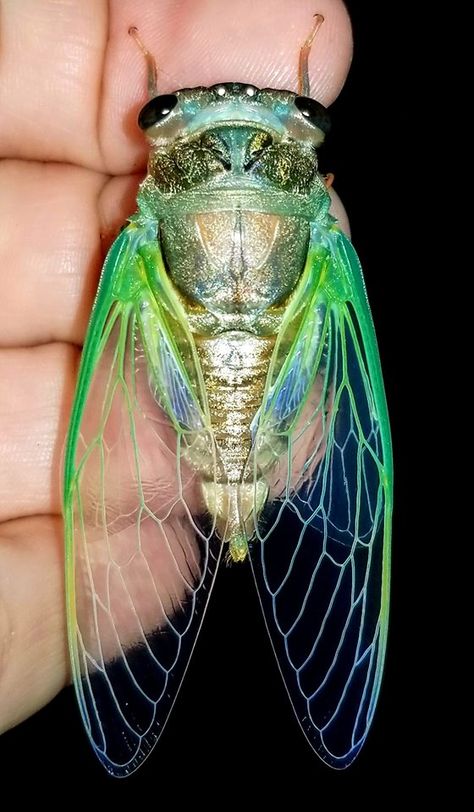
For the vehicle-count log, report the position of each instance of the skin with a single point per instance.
(71, 84)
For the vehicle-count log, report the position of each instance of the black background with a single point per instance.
(232, 732)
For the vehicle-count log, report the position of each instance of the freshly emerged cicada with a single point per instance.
(229, 405)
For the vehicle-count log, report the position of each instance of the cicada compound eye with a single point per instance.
(315, 112)
(156, 110)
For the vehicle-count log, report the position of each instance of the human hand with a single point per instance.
(72, 82)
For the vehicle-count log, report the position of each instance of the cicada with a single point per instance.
(229, 407)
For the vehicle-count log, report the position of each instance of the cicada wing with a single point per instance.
(321, 556)
(140, 563)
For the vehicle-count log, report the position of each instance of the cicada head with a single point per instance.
(234, 136)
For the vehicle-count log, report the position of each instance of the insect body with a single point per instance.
(229, 398)
(235, 258)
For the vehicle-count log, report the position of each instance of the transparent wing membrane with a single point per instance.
(321, 559)
(141, 563)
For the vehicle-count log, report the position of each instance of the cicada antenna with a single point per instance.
(152, 70)
(303, 74)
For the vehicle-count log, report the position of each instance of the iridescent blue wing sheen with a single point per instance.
(321, 553)
(140, 562)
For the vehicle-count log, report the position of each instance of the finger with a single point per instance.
(57, 222)
(201, 44)
(36, 387)
(33, 650)
(338, 211)
(51, 69)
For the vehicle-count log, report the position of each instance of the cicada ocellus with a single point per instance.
(230, 406)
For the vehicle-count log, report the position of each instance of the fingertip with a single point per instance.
(338, 211)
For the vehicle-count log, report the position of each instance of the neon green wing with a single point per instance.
(140, 563)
